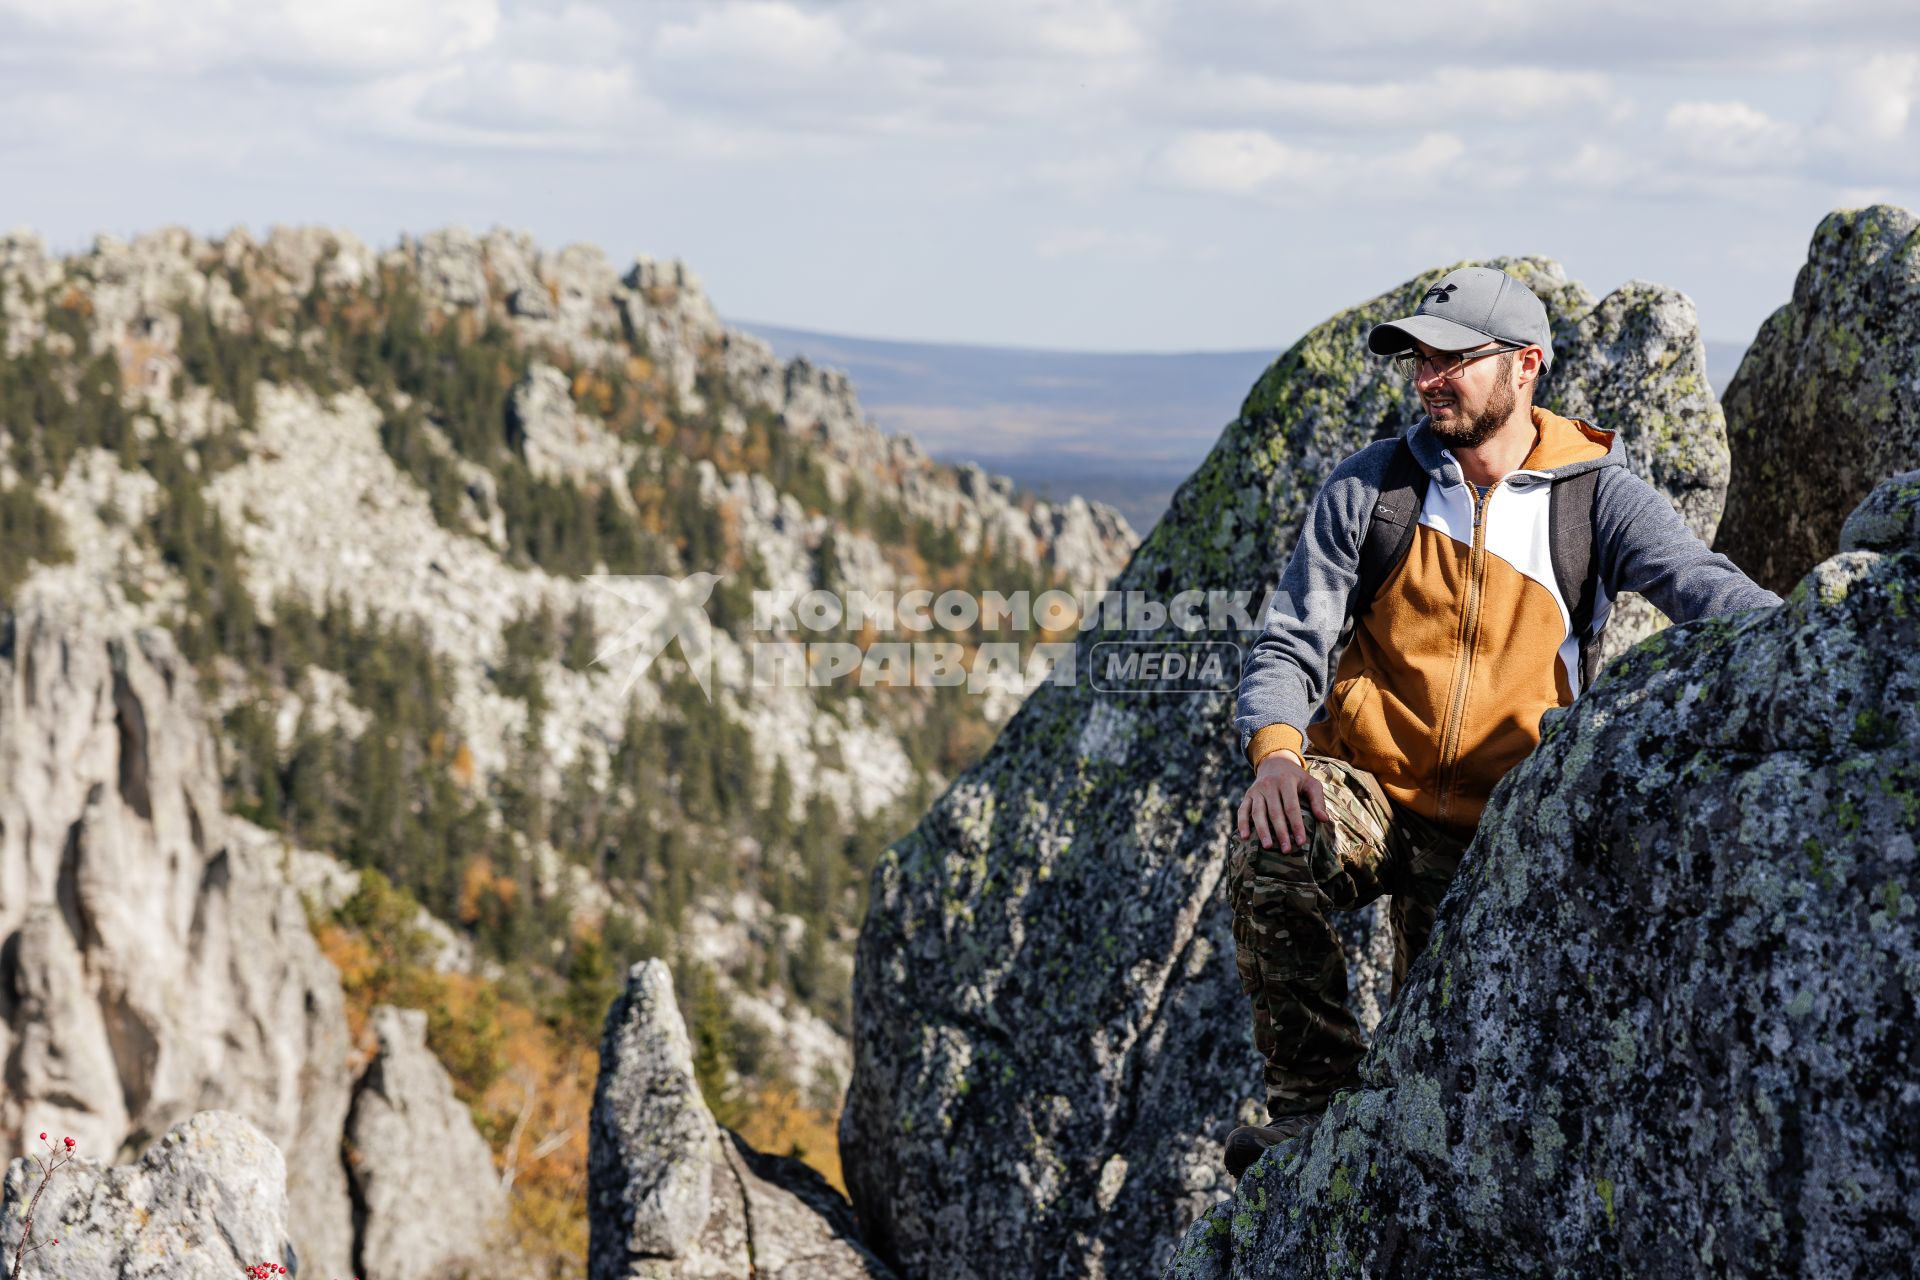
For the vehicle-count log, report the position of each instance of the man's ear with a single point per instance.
(1530, 366)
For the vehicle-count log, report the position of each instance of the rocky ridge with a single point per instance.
(321, 505)
(158, 964)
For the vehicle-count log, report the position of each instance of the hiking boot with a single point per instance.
(1245, 1144)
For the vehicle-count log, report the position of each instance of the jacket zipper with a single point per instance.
(1463, 670)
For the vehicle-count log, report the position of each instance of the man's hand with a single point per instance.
(1272, 803)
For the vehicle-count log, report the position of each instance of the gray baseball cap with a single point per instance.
(1465, 309)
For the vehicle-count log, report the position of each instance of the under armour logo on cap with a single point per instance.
(1439, 292)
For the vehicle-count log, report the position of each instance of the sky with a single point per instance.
(1095, 175)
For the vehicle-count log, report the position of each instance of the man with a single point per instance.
(1439, 691)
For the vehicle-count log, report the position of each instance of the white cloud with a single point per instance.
(518, 95)
(1087, 174)
(770, 68)
(980, 30)
(1873, 104)
(1601, 166)
(1101, 31)
(1455, 97)
(765, 32)
(339, 38)
(1252, 161)
(360, 36)
(1732, 135)
(1238, 161)
(1100, 242)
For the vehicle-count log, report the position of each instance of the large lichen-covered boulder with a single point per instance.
(671, 1195)
(1826, 403)
(206, 1201)
(1636, 363)
(1050, 1041)
(1665, 1027)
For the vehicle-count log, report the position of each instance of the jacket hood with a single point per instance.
(1562, 448)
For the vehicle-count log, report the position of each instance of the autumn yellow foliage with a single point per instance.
(483, 893)
(530, 1090)
(463, 765)
(780, 1123)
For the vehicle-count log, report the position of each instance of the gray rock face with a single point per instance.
(427, 1201)
(152, 964)
(1666, 1025)
(1050, 1041)
(652, 1150)
(1888, 520)
(1635, 363)
(560, 443)
(1827, 400)
(205, 1202)
(672, 1195)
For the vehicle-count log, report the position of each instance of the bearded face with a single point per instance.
(1457, 422)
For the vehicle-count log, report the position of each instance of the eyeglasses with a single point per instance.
(1447, 365)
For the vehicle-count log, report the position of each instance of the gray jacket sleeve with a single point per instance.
(1283, 677)
(1645, 546)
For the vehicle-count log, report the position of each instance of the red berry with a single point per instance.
(43, 1137)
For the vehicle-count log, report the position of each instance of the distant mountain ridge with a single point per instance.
(1123, 429)
(1120, 428)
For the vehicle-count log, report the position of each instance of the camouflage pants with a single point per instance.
(1289, 957)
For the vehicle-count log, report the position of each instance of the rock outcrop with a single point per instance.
(1636, 363)
(426, 1199)
(1827, 399)
(561, 443)
(152, 965)
(1666, 1026)
(672, 1195)
(1050, 1039)
(206, 1201)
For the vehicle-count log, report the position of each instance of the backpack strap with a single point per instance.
(1396, 513)
(1570, 532)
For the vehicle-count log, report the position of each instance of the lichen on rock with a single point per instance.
(1827, 399)
(1678, 1035)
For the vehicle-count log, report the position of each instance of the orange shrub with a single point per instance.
(780, 1123)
